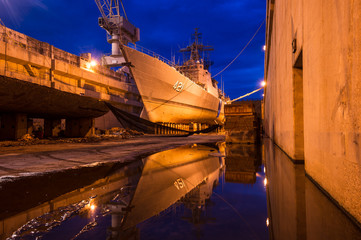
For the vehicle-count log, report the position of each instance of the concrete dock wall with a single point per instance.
(39, 80)
(27, 59)
(297, 209)
(243, 121)
(313, 93)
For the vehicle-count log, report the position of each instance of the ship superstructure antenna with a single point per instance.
(119, 29)
(197, 49)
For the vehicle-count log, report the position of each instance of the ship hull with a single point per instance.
(169, 96)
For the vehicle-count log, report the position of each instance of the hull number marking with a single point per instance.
(179, 183)
(178, 86)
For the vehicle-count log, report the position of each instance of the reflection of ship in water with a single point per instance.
(186, 174)
(131, 194)
(30, 207)
(196, 199)
(243, 162)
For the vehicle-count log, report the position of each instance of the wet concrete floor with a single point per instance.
(208, 190)
(34, 159)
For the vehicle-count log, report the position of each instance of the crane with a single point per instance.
(119, 29)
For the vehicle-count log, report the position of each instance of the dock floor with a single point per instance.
(17, 161)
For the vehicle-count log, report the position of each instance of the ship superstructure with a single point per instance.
(196, 66)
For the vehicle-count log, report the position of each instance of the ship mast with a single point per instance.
(197, 49)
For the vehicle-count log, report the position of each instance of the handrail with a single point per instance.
(151, 53)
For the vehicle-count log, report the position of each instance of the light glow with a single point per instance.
(267, 222)
(263, 83)
(92, 207)
(264, 48)
(93, 63)
(265, 182)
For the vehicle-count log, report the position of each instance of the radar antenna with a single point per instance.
(119, 29)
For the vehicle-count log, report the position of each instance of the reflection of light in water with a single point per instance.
(265, 182)
(91, 205)
(267, 222)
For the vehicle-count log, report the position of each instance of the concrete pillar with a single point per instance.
(193, 127)
(52, 127)
(30, 127)
(79, 127)
(13, 126)
(162, 129)
(158, 129)
(167, 131)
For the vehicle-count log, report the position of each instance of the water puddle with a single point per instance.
(209, 191)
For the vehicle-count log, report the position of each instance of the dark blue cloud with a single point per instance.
(166, 25)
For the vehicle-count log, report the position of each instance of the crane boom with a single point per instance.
(101, 6)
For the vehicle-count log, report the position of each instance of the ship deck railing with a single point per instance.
(151, 53)
(163, 59)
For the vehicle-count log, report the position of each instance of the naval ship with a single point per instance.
(176, 93)
(170, 93)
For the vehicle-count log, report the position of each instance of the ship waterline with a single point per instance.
(168, 95)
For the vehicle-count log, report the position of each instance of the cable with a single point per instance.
(242, 49)
(243, 96)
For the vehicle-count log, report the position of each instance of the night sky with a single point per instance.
(165, 27)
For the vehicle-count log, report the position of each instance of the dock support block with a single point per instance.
(13, 126)
(52, 127)
(79, 127)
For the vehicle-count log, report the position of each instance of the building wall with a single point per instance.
(279, 98)
(313, 96)
(297, 209)
(243, 122)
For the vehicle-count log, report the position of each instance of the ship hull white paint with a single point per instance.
(155, 81)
